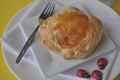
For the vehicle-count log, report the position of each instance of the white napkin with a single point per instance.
(14, 42)
(70, 74)
(9, 38)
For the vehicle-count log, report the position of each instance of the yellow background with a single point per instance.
(7, 9)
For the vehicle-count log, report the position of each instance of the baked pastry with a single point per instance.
(72, 33)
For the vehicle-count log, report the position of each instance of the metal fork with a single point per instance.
(48, 11)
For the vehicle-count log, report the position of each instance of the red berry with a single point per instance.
(82, 73)
(96, 74)
(102, 63)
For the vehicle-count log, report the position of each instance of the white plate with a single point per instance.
(45, 58)
(27, 71)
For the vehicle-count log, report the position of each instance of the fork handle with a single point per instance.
(27, 44)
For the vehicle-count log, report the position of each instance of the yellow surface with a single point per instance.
(7, 9)
(116, 6)
(118, 77)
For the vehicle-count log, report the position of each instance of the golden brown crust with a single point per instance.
(72, 34)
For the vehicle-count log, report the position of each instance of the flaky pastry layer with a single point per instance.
(72, 34)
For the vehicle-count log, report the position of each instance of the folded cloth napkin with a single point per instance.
(11, 39)
(70, 74)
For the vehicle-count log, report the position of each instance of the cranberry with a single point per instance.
(102, 63)
(96, 74)
(82, 73)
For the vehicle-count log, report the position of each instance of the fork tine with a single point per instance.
(52, 10)
(45, 8)
(48, 11)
